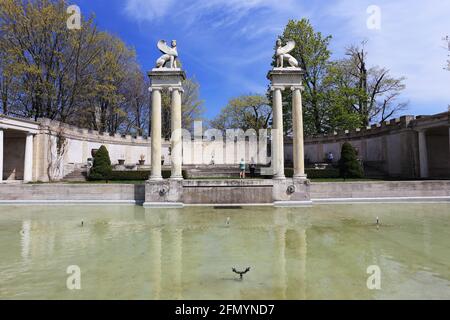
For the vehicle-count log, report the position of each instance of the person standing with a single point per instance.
(330, 158)
(242, 169)
(252, 168)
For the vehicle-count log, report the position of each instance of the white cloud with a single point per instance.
(409, 44)
(149, 10)
(239, 35)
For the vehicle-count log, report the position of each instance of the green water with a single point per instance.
(322, 252)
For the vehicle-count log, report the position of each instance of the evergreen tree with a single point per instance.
(349, 166)
(101, 170)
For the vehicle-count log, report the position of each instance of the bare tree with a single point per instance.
(377, 90)
(447, 47)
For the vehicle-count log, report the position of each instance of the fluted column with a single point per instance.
(1, 155)
(176, 142)
(423, 154)
(277, 134)
(297, 123)
(156, 134)
(28, 164)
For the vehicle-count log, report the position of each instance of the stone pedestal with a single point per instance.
(164, 194)
(291, 192)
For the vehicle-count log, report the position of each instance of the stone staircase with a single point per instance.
(76, 174)
(214, 171)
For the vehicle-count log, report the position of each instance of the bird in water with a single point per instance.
(241, 273)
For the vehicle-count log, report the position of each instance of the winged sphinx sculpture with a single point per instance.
(282, 54)
(169, 57)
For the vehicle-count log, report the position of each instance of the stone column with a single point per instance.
(156, 134)
(297, 123)
(277, 135)
(177, 148)
(1, 155)
(423, 154)
(28, 164)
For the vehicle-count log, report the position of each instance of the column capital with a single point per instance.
(180, 89)
(151, 89)
(273, 88)
(300, 87)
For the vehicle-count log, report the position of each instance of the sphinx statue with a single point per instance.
(169, 57)
(282, 54)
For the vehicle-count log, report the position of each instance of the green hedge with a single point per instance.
(137, 175)
(328, 173)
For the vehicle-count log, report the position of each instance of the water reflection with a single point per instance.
(308, 253)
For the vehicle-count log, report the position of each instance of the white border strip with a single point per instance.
(381, 200)
(70, 202)
(276, 204)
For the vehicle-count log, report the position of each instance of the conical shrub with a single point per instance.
(101, 169)
(349, 166)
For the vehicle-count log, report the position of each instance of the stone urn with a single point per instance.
(93, 152)
(141, 162)
(121, 162)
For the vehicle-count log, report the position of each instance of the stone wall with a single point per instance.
(72, 192)
(225, 192)
(390, 146)
(349, 190)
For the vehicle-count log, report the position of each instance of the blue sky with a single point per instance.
(228, 44)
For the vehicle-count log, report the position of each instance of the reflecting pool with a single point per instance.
(321, 252)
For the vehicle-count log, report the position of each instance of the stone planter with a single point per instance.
(93, 152)
(121, 162)
(141, 162)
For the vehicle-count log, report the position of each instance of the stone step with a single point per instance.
(77, 175)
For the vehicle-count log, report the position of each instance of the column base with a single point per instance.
(177, 178)
(156, 178)
(300, 177)
(163, 205)
(292, 204)
(279, 178)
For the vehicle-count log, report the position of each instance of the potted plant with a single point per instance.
(142, 160)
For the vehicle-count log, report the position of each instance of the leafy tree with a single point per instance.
(101, 169)
(191, 107)
(349, 166)
(313, 55)
(74, 76)
(244, 112)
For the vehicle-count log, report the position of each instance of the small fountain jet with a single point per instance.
(241, 273)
